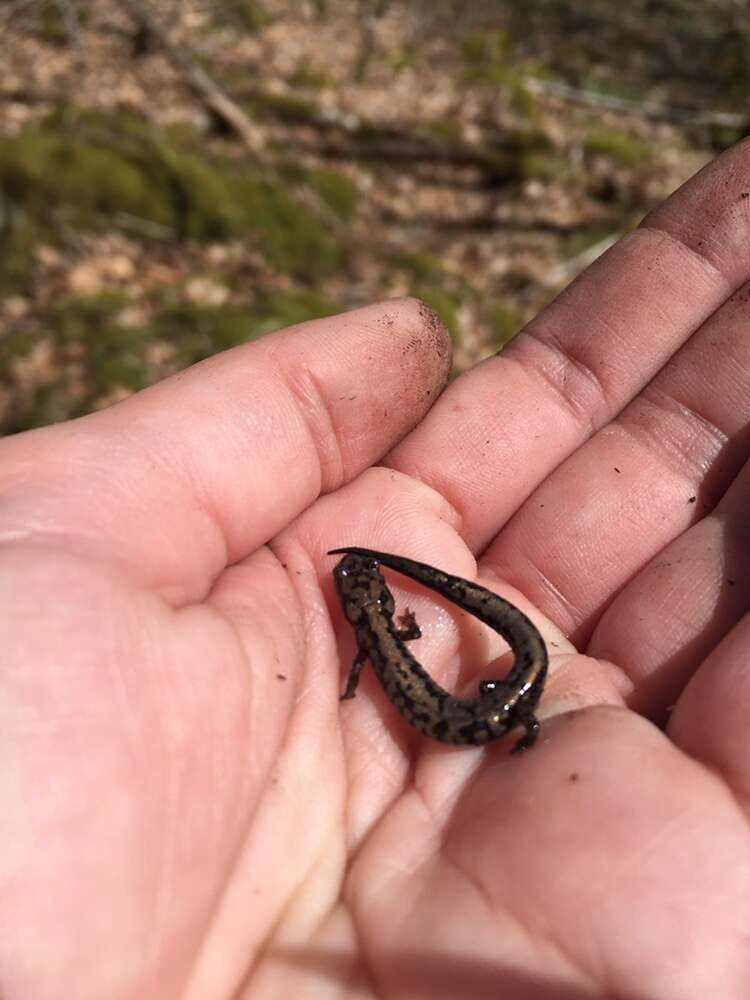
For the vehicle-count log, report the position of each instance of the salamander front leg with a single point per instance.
(409, 628)
(353, 680)
(529, 721)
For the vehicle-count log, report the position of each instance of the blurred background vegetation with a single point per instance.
(177, 178)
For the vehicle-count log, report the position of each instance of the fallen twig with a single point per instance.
(212, 95)
(649, 109)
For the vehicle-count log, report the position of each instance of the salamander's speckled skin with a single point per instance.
(502, 704)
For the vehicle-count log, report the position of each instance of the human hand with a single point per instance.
(189, 812)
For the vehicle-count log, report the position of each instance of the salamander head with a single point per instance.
(362, 587)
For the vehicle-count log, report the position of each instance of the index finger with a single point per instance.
(499, 430)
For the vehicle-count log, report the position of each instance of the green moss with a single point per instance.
(524, 153)
(273, 310)
(308, 78)
(283, 108)
(197, 332)
(290, 236)
(486, 55)
(423, 267)
(522, 101)
(445, 129)
(49, 405)
(47, 176)
(369, 131)
(79, 318)
(15, 346)
(334, 189)
(118, 361)
(617, 146)
(720, 137)
(244, 15)
(51, 22)
(96, 355)
(17, 258)
(200, 331)
(114, 355)
(338, 192)
(100, 172)
(400, 57)
(92, 355)
(503, 322)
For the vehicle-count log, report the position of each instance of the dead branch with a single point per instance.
(649, 109)
(212, 95)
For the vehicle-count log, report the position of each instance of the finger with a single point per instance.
(200, 470)
(498, 431)
(671, 616)
(711, 719)
(639, 483)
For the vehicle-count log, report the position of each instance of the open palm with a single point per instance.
(188, 810)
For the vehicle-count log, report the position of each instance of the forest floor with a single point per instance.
(179, 178)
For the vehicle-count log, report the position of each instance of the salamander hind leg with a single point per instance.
(353, 680)
(530, 722)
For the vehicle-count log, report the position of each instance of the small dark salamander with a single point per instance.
(502, 704)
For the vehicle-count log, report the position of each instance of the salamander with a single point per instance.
(501, 705)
